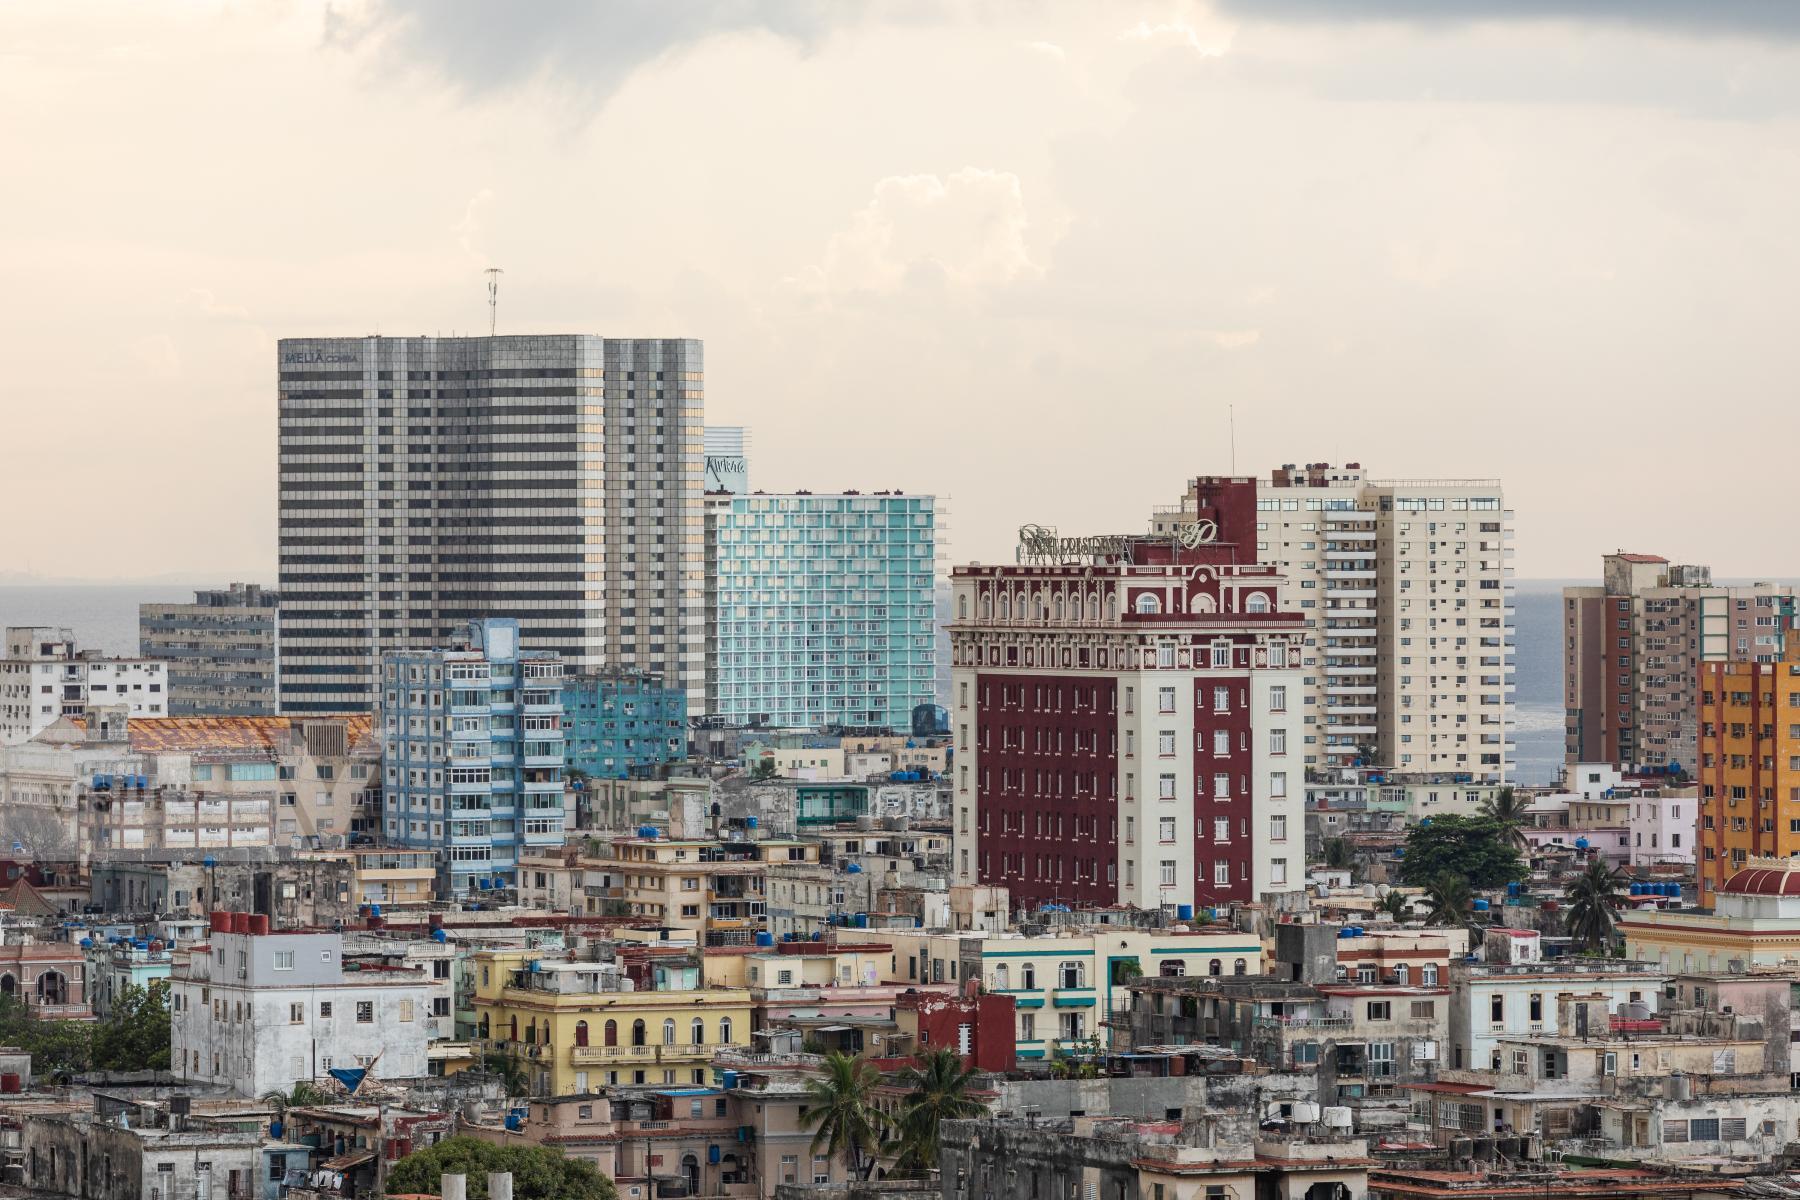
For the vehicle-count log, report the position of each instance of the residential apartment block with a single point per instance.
(1748, 764)
(620, 723)
(472, 754)
(1405, 587)
(1632, 649)
(220, 650)
(258, 1012)
(429, 482)
(1127, 716)
(820, 608)
(43, 678)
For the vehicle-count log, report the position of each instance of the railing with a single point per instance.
(1304, 1022)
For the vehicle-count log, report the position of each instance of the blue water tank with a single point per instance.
(439, 936)
(1481, 905)
(712, 1155)
(728, 1079)
(749, 822)
(647, 831)
(918, 922)
(1672, 889)
(764, 938)
(374, 910)
(1637, 889)
(1346, 932)
(87, 943)
(536, 966)
(275, 1129)
(1513, 889)
(862, 920)
(1184, 912)
(1426, 823)
(514, 1120)
(818, 935)
(209, 862)
(853, 869)
(1581, 843)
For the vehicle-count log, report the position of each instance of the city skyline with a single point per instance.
(1432, 269)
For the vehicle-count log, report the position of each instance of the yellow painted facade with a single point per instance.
(571, 1041)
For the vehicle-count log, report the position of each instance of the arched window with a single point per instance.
(1028, 977)
(699, 1032)
(512, 1029)
(1215, 967)
(724, 1031)
(1400, 974)
(1173, 968)
(1005, 606)
(53, 988)
(1239, 967)
(1257, 603)
(987, 607)
(1002, 978)
(1112, 607)
(1428, 974)
(581, 1033)
(669, 1032)
(1061, 608)
(531, 1033)
(1147, 604)
(637, 1032)
(962, 607)
(481, 1028)
(1071, 974)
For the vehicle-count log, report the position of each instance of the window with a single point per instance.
(1071, 974)
(1278, 872)
(1534, 1007)
(1428, 975)
(1424, 1010)
(1497, 1009)
(1277, 741)
(1221, 829)
(1165, 700)
(1381, 1010)
(1221, 699)
(1166, 829)
(284, 960)
(365, 1012)
(1278, 828)
(1221, 872)
(296, 1014)
(1167, 874)
(1221, 786)
(1165, 787)
(1165, 743)
(1278, 698)
(325, 1009)
(1277, 784)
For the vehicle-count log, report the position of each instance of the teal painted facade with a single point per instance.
(822, 608)
(622, 723)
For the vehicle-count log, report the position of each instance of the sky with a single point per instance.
(1031, 257)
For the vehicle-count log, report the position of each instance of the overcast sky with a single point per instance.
(1022, 255)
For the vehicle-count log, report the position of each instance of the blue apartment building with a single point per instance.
(821, 608)
(472, 754)
(617, 724)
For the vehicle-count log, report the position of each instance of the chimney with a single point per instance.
(453, 1187)
(500, 1185)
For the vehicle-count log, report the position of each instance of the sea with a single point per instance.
(105, 617)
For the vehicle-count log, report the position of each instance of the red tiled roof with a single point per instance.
(1763, 881)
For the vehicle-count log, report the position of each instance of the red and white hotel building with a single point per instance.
(1128, 726)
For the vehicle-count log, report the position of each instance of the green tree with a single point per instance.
(1338, 855)
(1593, 897)
(940, 1092)
(1506, 809)
(841, 1109)
(512, 1076)
(1397, 904)
(135, 1036)
(539, 1172)
(56, 1047)
(1448, 900)
(1472, 848)
(764, 769)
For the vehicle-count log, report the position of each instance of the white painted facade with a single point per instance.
(258, 1013)
(43, 678)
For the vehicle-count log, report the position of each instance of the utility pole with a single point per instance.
(493, 286)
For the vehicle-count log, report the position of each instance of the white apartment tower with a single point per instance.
(1406, 586)
(44, 678)
(429, 482)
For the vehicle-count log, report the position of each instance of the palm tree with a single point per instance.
(1448, 900)
(1592, 897)
(1396, 904)
(1340, 857)
(1507, 810)
(512, 1075)
(841, 1104)
(940, 1092)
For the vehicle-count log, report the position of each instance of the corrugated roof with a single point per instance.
(174, 735)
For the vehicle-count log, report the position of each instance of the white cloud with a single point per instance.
(966, 231)
(1207, 44)
(1047, 49)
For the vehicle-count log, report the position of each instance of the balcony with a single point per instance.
(639, 1054)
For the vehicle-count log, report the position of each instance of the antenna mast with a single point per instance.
(493, 278)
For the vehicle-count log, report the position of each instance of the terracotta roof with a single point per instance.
(159, 735)
(1641, 558)
(1763, 881)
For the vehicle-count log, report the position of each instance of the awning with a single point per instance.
(344, 1162)
(1074, 1002)
(1031, 1054)
(1028, 1002)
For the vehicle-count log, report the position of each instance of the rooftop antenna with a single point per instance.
(493, 277)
